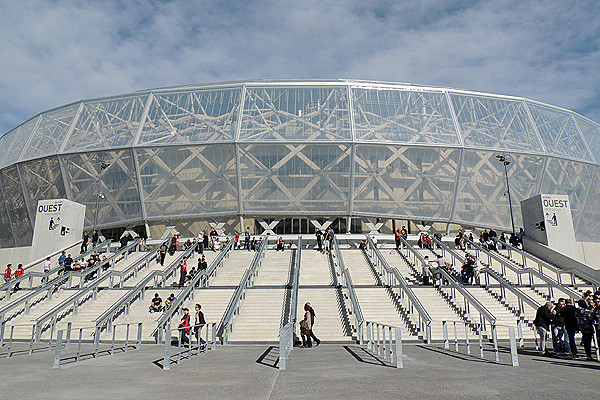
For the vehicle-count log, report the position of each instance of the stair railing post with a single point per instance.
(167, 352)
(399, 361)
(513, 346)
(445, 332)
(58, 349)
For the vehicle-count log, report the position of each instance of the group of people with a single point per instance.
(324, 240)
(400, 233)
(65, 264)
(488, 239)
(425, 241)
(563, 320)
(185, 326)
(431, 271)
(8, 275)
(184, 276)
(156, 304)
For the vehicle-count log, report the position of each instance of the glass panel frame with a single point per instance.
(189, 180)
(295, 114)
(403, 117)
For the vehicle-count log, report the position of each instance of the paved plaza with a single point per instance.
(332, 371)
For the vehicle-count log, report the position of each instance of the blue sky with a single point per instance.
(57, 52)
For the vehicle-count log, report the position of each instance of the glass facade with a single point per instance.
(298, 151)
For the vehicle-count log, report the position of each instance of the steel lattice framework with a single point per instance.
(343, 148)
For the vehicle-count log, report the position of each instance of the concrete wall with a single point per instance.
(590, 253)
(14, 256)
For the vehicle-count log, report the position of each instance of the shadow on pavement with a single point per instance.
(270, 357)
(363, 356)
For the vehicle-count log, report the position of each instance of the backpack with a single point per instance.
(304, 326)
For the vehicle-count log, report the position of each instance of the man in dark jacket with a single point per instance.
(543, 318)
(568, 313)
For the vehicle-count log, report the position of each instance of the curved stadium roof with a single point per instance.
(275, 148)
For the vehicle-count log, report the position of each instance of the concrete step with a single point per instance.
(315, 268)
(259, 319)
(357, 265)
(275, 268)
(328, 325)
(233, 268)
(377, 306)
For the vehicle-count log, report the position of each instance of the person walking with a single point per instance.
(309, 308)
(85, 240)
(199, 322)
(185, 323)
(426, 270)
(18, 272)
(585, 322)
(543, 319)
(319, 237)
(305, 327)
(162, 253)
(7, 273)
(247, 238)
(182, 271)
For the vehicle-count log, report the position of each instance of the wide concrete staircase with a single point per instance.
(260, 316)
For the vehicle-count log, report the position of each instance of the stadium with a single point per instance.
(285, 158)
(289, 155)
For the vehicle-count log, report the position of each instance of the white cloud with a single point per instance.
(56, 52)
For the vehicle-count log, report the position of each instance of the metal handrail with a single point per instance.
(31, 274)
(106, 244)
(504, 283)
(522, 296)
(358, 315)
(286, 342)
(185, 293)
(136, 265)
(233, 306)
(107, 316)
(50, 285)
(389, 347)
(296, 283)
(71, 300)
(525, 270)
(40, 260)
(469, 298)
(557, 270)
(423, 314)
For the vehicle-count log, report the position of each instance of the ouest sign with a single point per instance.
(547, 219)
(58, 224)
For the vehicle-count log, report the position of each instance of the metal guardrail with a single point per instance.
(296, 284)
(232, 309)
(136, 266)
(389, 346)
(524, 271)
(107, 317)
(469, 299)
(201, 344)
(395, 279)
(511, 332)
(286, 333)
(200, 277)
(50, 286)
(29, 275)
(490, 273)
(347, 282)
(67, 341)
(544, 264)
(73, 300)
(286, 343)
